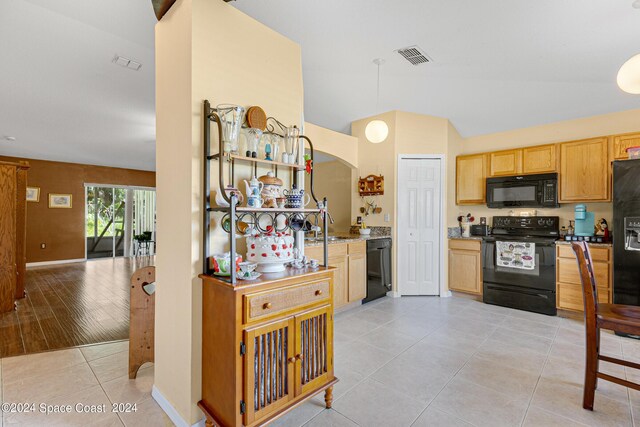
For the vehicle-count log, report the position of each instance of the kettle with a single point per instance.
(254, 187)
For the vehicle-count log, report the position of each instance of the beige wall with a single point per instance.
(339, 145)
(202, 53)
(333, 180)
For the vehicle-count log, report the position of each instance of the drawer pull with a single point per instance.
(291, 360)
(318, 292)
(266, 306)
(299, 357)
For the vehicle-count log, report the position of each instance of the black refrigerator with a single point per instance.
(626, 232)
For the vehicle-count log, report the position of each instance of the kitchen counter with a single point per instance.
(345, 238)
(604, 245)
(466, 238)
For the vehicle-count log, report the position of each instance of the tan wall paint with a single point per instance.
(63, 230)
(204, 50)
(339, 145)
(333, 181)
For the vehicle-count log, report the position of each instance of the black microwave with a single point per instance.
(523, 191)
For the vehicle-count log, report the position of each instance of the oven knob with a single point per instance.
(549, 222)
(541, 221)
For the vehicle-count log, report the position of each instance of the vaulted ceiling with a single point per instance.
(497, 65)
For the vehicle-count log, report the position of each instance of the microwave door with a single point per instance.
(520, 194)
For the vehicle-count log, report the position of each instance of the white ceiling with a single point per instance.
(61, 97)
(498, 65)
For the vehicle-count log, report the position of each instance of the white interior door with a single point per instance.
(419, 230)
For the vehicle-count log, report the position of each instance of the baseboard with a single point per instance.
(394, 294)
(62, 261)
(446, 294)
(171, 411)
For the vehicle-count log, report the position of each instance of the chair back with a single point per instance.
(588, 278)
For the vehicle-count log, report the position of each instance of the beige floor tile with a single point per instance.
(480, 405)
(361, 358)
(456, 340)
(533, 343)
(124, 390)
(537, 417)
(148, 414)
(348, 380)
(565, 398)
(101, 350)
(302, 414)
(40, 363)
(93, 396)
(42, 387)
(330, 417)
(540, 318)
(427, 356)
(511, 355)
(408, 325)
(389, 340)
(373, 404)
(421, 384)
(434, 418)
(517, 383)
(610, 343)
(531, 327)
(111, 367)
(353, 327)
(478, 328)
(379, 317)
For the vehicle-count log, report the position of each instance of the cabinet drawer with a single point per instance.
(465, 245)
(278, 301)
(570, 296)
(597, 254)
(568, 272)
(357, 248)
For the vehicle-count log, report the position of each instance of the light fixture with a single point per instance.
(377, 130)
(629, 75)
(10, 138)
(636, 4)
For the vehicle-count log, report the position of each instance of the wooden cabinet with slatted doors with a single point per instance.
(471, 179)
(267, 345)
(568, 283)
(505, 163)
(585, 171)
(540, 159)
(622, 142)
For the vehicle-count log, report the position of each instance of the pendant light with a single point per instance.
(629, 75)
(377, 130)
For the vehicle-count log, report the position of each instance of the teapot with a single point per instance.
(296, 198)
(254, 188)
(271, 189)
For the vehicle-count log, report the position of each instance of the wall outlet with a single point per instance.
(387, 217)
(43, 246)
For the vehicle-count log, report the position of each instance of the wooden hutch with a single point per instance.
(267, 344)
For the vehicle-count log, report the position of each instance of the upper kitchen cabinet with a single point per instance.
(585, 172)
(622, 142)
(540, 159)
(505, 163)
(471, 174)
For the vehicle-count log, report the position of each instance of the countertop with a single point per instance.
(605, 245)
(466, 238)
(346, 238)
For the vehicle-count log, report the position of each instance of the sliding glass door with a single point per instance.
(120, 221)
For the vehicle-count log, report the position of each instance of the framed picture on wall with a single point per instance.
(60, 201)
(33, 194)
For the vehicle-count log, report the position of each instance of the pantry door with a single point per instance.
(419, 225)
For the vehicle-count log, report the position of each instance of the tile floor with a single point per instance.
(458, 362)
(94, 375)
(401, 362)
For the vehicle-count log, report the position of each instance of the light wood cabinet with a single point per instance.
(539, 159)
(585, 171)
(568, 283)
(622, 142)
(357, 271)
(279, 353)
(505, 163)
(465, 269)
(350, 277)
(471, 174)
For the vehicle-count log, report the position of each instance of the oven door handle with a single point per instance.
(514, 291)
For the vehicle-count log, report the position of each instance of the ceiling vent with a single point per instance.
(415, 55)
(126, 63)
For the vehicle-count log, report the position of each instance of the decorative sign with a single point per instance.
(372, 185)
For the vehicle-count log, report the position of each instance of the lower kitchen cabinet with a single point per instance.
(569, 286)
(465, 268)
(267, 346)
(350, 262)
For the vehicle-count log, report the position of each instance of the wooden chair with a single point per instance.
(614, 317)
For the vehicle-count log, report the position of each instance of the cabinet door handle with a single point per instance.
(299, 357)
(291, 360)
(266, 306)
(318, 292)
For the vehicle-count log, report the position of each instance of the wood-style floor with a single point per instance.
(71, 305)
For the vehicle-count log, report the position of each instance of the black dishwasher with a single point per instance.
(378, 268)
